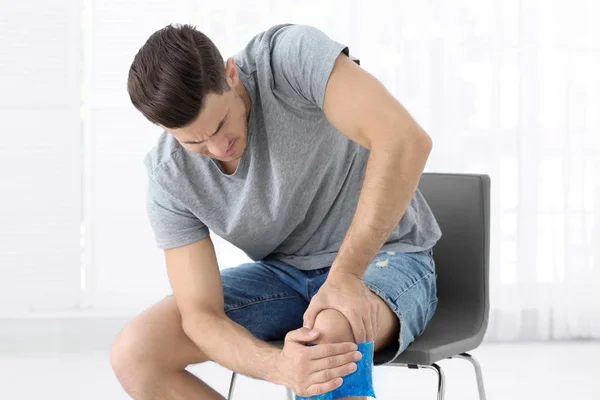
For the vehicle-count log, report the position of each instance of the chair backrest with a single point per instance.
(461, 205)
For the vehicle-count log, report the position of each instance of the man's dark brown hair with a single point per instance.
(172, 73)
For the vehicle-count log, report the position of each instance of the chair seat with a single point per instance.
(453, 330)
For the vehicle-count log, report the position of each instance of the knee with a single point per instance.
(131, 358)
(333, 327)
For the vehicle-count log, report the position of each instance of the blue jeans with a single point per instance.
(269, 297)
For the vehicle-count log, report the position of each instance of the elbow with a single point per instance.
(418, 143)
(413, 143)
(199, 321)
(425, 144)
(191, 324)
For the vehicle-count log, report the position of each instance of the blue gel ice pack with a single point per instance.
(358, 383)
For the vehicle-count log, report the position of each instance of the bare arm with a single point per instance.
(196, 281)
(361, 108)
(194, 275)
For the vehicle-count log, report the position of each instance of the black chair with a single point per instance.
(461, 205)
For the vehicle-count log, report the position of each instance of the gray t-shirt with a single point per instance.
(297, 185)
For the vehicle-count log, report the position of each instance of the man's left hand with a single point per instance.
(347, 293)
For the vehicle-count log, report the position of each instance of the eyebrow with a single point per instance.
(217, 131)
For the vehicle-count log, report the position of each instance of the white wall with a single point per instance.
(505, 87)
(40, 157)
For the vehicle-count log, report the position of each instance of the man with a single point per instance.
(302, 159)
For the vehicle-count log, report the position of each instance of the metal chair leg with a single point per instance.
(441, 379)
(478, 374)
(231, 386)
(289, 393)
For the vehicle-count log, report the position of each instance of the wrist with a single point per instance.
(337, 272)
(273, 373)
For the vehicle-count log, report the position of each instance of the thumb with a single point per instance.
(302, 335)
(310, 315)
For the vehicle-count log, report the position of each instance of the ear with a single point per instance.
(231, 72)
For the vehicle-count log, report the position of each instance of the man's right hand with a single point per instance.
(313, 370)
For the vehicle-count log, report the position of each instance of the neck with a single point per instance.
(243, 93)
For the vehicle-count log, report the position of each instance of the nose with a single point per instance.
(218, 146)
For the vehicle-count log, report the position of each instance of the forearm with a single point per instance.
(232, 346)
(391, 178)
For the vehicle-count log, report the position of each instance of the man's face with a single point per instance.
(220, 131)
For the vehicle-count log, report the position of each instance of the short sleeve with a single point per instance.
(173, 224)
(302, 58)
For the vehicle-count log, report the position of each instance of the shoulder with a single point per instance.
(163, 154)
(277, 39)
(289, 39)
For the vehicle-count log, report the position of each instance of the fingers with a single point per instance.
(327, 375)
(307, 320)
(311, 314)
(333, 368)
(331, 349)
(346, 360)
(321, 388)
(358, 329)
(369, 334)
(301, 335)
(375, 324)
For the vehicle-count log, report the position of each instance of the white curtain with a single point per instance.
(505, 87)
